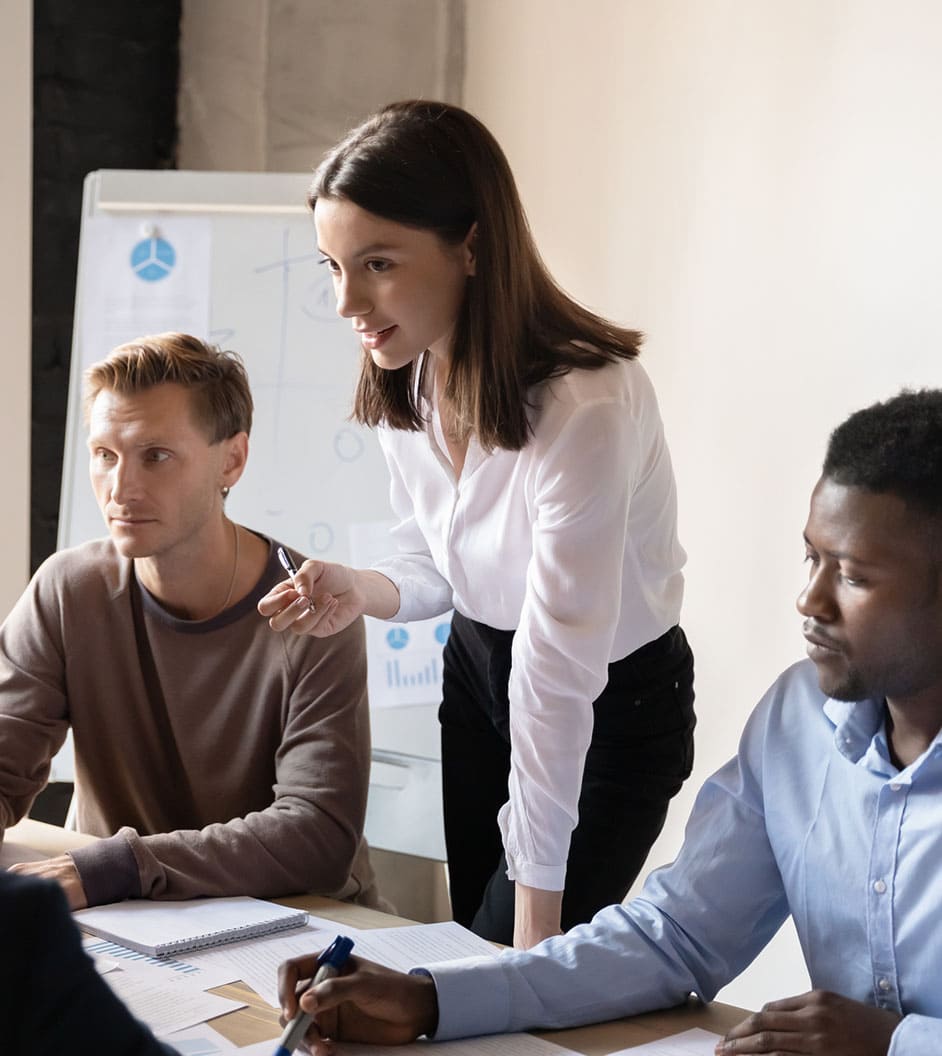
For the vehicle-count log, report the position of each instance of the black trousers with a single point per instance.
(640, 754)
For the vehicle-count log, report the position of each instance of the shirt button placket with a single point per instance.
(880, 902)
(448, 547)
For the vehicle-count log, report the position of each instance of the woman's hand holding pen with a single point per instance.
(331, 588)
(340, 594)
(366, 1002)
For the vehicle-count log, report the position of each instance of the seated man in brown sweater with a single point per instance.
(214, 757)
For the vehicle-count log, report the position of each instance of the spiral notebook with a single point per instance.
(163, 929)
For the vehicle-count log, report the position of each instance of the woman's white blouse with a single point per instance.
(572, 542)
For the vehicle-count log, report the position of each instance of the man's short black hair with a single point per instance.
(894, 446)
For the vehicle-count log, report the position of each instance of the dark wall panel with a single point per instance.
(105, 96)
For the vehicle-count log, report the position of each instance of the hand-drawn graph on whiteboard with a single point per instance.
(312, 472)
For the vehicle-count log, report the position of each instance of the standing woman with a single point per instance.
(535, 495)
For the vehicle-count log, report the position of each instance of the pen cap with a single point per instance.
(336, 953)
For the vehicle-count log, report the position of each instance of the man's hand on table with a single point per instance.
(818, 1022)
(61, 869)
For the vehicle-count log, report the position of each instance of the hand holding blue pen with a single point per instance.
(292, 569)
(329, 964)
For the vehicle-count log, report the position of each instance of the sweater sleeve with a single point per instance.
(33, 704)
(309, 839)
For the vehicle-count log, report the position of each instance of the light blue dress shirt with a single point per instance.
(810, 818)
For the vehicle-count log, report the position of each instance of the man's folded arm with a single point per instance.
(308, 839)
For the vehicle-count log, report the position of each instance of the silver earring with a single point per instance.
(225, 493)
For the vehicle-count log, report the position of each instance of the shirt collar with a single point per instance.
(860, 736)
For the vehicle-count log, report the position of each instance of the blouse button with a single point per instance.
(879, 886)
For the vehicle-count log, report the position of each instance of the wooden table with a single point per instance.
(258, 1021)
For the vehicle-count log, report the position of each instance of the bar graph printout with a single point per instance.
(404, 659)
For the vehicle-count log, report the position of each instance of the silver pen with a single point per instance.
(292, 569)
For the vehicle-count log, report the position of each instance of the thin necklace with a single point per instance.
(235, 567)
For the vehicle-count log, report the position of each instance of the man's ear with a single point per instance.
(234, 458)
(470, 249)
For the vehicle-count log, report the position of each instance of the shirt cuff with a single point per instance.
(544, 877)
(917, 1036)
(519, 870)
(108, 871)
(473, 998)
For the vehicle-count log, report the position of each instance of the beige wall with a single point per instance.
(16, 49)
(270, 85)
(756, 185)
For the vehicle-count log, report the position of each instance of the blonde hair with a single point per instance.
(222, 400)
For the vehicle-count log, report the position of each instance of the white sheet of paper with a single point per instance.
(491, 1045)
(147, 277)
(694, 1042)
(419, 944)
(104, 965)
(167, 1004)
(256, 963)
(202, 1041)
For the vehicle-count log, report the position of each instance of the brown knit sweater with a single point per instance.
(222, 757)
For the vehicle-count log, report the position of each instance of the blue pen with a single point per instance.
(292, 569)
(328, 965)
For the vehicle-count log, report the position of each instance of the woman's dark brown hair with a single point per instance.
(436, 167)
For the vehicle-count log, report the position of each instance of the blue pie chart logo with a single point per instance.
(152, 259)
(397, 638)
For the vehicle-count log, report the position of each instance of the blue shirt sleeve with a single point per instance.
(811, 817)
(917, 1036)
(695, 926)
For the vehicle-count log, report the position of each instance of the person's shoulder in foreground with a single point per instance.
(52, 1000)
(828, 813)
